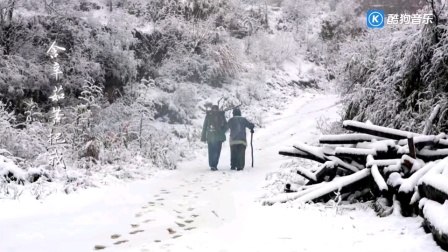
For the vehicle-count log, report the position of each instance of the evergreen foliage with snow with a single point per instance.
(134, 73)
(397, 76)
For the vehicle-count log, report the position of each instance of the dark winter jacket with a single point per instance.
(237, 125)
(213, 128)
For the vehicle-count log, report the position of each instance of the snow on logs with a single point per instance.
(435, 217)
(377, 130)
(347, 138)
(403, 172)
(334, 185)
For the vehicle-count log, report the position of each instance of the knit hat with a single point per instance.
(236, 112)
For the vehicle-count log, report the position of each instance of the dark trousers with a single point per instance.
(214, 151)
(237, 156)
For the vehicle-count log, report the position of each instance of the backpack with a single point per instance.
(217, 120)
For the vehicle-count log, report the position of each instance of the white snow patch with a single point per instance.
(355, 151)
(383, 162)
(8, 166)
(343, 164)
(334, 185)
(316, 151)
(415, 197)
(437, 181)
(401, 133)
(349, 137)
(379, 180)
(436, 214)
(382, 145)
(410, 183)
(394, 179)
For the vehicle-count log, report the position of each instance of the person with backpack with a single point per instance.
(214, 134)
(237, 125)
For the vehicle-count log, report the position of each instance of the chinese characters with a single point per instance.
(409, 19)
(56, 139)
(53, 52)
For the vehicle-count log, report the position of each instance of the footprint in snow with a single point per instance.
(115, 236)
(194, 215)
(176, 236)
(146, 221)
(137, 231)
(138, 215)
(189, 221)
(135, 225)
(180, 224)
(99, 247)
(189, 228)
(120, 242)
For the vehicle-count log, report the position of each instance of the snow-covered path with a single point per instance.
(194, 209)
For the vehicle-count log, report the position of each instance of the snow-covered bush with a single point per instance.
(396, 79)
(272, 49)
(25, 143)
(198, 54)
(296, 11)
(184, 100)
(153, 61)
(83, 142)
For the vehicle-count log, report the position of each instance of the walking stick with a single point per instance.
(252, 148)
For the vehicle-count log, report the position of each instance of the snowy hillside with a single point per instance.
(148, 116)
(104, 103)
(178, 211)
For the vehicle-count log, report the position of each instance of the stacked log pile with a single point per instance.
(400, 171)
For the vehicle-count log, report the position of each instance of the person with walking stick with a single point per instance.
(237, 125)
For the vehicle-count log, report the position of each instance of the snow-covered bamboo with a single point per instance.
(379, 180)
(347, 138)
(378, 130)
(409, 184)
(431, 118)
(292, 152)
(284, 197)
(335, 185)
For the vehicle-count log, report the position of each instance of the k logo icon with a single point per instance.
(375, 19)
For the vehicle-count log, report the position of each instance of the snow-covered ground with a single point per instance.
(194, 209)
